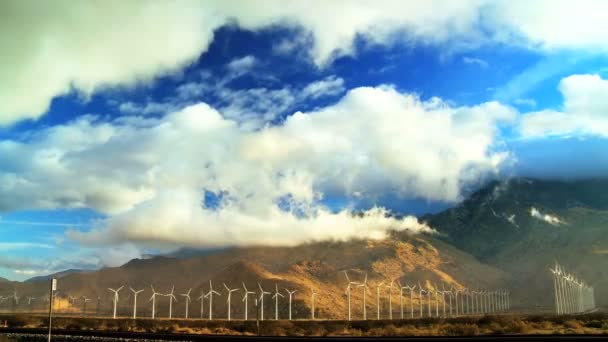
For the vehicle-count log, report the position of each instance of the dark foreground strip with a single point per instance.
(211, 338)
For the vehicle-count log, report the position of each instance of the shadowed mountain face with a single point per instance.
(505, 235)
(522, 226)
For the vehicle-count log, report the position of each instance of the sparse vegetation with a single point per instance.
(463, 326)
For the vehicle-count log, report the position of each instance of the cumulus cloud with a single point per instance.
(550, 219)
(584, 110)
(73, 45)
(87, 45)
(540, 24)
(149, 174)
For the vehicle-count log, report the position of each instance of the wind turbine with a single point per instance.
(378, 299)
(71, 300)
(364, 286)
(171, 299)
(420, 291)
(312, 299)
(153, 299)
(115, 298)
(85, 299)
(188, 300)
(202, 299)
(390, 299)
(411, 289)
(436, 291)
(210, 295)
(291, 294)
(262, 293)
(135, 293)
(401, 287)
(247, 293)
(428, 297)
(350, 283)
(229, 296)
(276, 296)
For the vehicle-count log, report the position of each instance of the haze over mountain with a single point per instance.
(505, 235)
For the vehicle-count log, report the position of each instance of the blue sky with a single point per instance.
(203, 125)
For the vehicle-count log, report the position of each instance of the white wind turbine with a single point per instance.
(420, 291)
(85, 299)
(411, 289)
(188, 300)
(276, 296)
(291, 294)
(210, 295)
(247, 293)
(229, 296)
(171, 299)
(348, 289)
(202, 299)
(115, 300)
(390, 299)
(312, 300)
(378, 299)
(262, 293)
(153, 299)
(428, 297)
(71, 300)
(135, 293)
(364, 286)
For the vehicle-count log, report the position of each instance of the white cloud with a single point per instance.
(242, 65)
(99, 44)
(584, 110)
(525, 102)
(148, 174)
(550, 24)
(22, 245)
(51, 47)
(475, 61)
(330, 86)
(550, 219)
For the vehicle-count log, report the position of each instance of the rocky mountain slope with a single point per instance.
(505, 235)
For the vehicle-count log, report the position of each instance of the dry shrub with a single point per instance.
(594, 324)
(496, 328)
(460, 329)
(573, 324)
(517, 326)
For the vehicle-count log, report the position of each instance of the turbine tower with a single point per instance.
(378, 299)
(348, 289)
(210, 295)
(171, 299)
(291, 294)
(390, 299)
(312, 300)
(153, 299)
(411, 289)
(85, 299)
(364, 286)
(202, 299)
(247, 293)
(276, 296)
(115, 298)
(188, 300)
(229, 296)
(135, 293)
(262, 293)
(420, 291)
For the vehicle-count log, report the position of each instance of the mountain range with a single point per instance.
(505, 235)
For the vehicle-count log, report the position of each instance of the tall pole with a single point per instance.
(53, 288)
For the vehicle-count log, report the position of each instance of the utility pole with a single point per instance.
(53, 288)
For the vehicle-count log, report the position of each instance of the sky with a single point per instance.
(130, 128)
